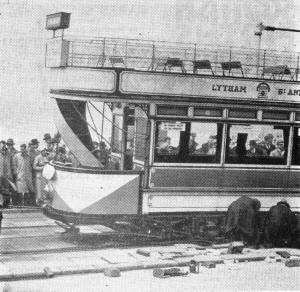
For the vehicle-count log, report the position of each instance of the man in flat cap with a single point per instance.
(33, 151)
(10, 147)
(48, 141)
(23, 172)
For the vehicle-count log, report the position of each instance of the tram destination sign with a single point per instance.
(215, 87)
(60, 20)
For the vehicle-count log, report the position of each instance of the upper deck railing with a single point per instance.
(182, 57)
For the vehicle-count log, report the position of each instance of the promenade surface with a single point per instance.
(37, 256)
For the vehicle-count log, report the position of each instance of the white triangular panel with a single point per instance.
(80, 190)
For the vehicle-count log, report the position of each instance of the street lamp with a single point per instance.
(261, 28)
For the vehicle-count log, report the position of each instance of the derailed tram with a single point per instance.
(190, 129)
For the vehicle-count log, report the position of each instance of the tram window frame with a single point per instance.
(208, 112)
(181, 153)
(276, 115)
(242, 114)
(296, 147)
(297, 116)
(261, 157)
(166, 110)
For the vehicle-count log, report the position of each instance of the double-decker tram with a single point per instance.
(186, 129)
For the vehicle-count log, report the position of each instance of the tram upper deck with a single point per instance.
(158, 56)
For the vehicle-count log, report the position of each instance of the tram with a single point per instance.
(189, 129)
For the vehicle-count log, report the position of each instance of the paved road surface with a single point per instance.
(29, 242)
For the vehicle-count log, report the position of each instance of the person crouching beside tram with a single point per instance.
(39, 162)
(243, 221)
(22, 169)
(280, 228)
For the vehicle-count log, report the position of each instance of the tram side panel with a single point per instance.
(175, 189)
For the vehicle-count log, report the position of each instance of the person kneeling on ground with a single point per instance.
(243, 220)
(280, 228)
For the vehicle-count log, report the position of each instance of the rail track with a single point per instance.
(27, 231)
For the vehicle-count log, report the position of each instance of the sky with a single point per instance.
(25, 110)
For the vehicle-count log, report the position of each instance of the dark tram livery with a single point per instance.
(190, 129)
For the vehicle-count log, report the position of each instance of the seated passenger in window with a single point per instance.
(193, 144)
(165, 147)
(267, 145)
(254, 150)
(279, 151)
(209, 148)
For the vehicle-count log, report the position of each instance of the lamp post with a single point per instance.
(261, 28)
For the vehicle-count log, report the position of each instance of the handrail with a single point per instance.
(147, 55)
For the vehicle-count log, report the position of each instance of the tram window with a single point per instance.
(172, 110)
(188, 142)
(208, 112)
(296, 147)
(117, 134)
(276, 115)
(297, 117)
(257, 144)
(242, 114)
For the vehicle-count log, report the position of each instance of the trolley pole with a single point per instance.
(261, 28)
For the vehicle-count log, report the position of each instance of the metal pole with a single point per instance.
(102, 123)
(259, 34)
(103, 53)
(126, 54)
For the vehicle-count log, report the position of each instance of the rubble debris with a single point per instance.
(166, 273)
(194, 267)
(112, 272)
(48, 272)
(235, 247)
(284, 254)
(292, 263)
(209, 265)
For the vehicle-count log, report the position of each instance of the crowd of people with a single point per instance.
(20, 169)
(267, 147)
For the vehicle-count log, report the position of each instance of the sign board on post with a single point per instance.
(60, 20)
(57, 53)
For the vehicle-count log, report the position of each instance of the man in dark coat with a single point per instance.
(243, 221)
(280, 227)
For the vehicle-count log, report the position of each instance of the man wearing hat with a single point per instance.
(50, 146)
(48, 141)
(5, 171)
(23, 172)
(10, 147)
(33, 151)
(39, 162)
